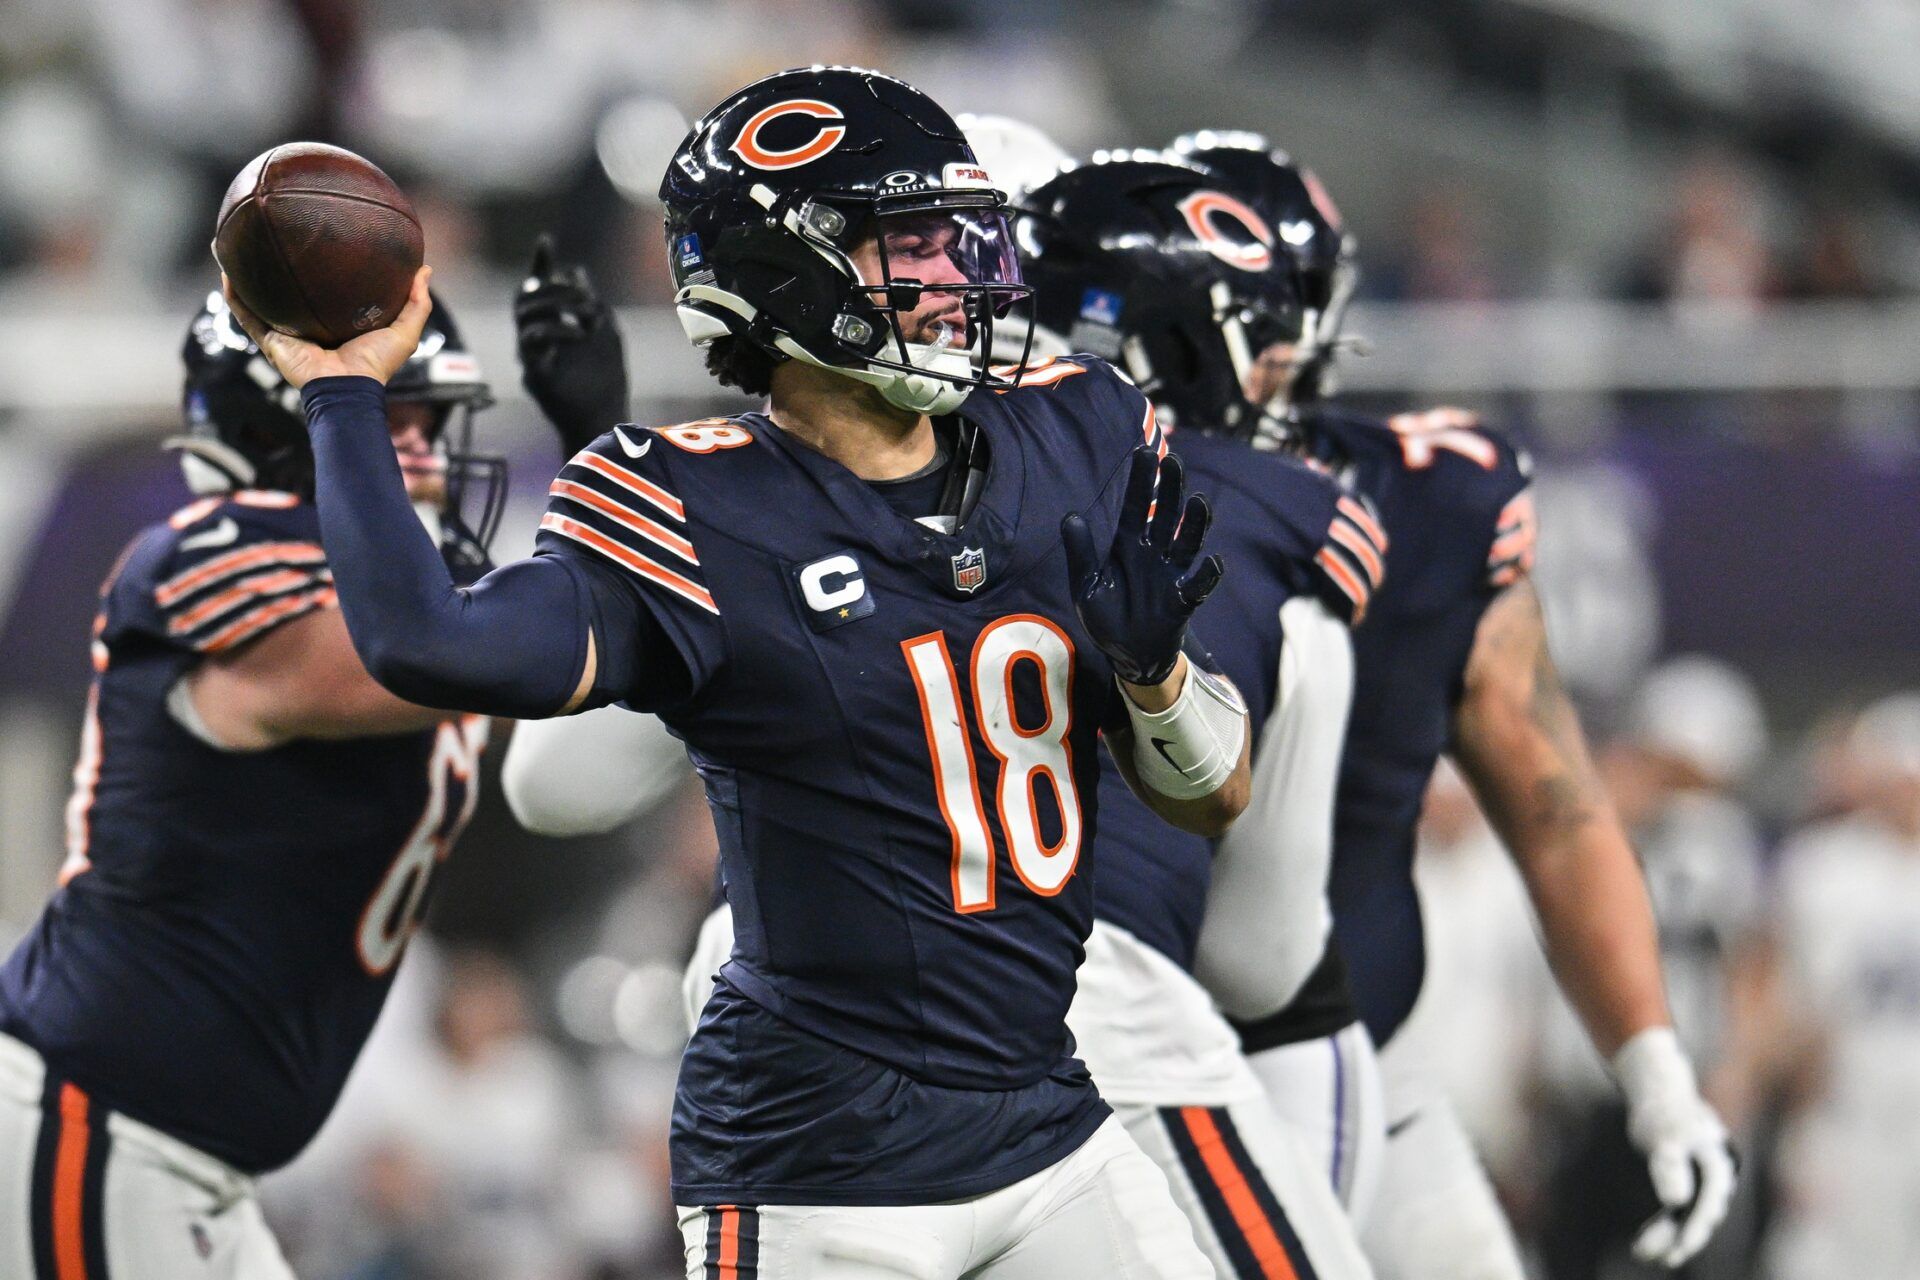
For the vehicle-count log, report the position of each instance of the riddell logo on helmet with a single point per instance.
(831, 131)
(1202, 208)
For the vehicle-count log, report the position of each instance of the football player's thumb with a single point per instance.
(1083, 561)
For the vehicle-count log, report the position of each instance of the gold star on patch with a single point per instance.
(846, 613)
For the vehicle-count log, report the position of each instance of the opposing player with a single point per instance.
(1167, 269)
(1455, 659)
(253, 833)
(865, 614)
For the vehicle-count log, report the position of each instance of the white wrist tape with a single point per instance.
(1190, 749)
(1653, 1071)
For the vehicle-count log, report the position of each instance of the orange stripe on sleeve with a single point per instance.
(1357, 513)
(1239, 1197)
(233, 562)
(630, 559)
(632, 482)
(653, 532)
(1345, 579)
(1350, 538)
(252, 624)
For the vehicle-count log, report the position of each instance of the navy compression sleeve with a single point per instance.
(513, 644)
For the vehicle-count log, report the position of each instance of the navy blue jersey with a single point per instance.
(1454, 500)
(227, 923)
(898, 734)
(1284, 530)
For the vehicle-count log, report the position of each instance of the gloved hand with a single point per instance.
(1136, 598)
(1689, 1156)
(572, 361)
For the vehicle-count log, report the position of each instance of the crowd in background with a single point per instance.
(121, 121)
(508, 1122)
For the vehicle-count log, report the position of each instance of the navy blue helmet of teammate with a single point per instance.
(244, 428)
(770, 201)
(1297, 206)
(1168, 270)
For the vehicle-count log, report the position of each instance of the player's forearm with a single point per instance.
(1186, 753)
(515, 644)
(1518, 740)
(1599, 931)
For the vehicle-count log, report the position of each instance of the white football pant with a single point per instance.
(1102, 1213)
(86, 1193)
(1329, 1094)
(1436, 1216)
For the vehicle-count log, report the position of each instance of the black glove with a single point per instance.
(572, 361)
(1135, 600)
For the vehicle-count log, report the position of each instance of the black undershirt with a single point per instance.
(919, 494)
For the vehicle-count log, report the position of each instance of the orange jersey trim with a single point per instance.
(636, 483)
(630, 559)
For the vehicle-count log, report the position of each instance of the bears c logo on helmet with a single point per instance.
(748, 147)
(1202, 208)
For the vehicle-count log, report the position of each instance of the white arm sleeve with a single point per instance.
(1267, 915)
(585, 774)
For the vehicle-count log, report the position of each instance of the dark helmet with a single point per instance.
(245, 428)
(776, 187)
(1166, 269)
(1311, 228)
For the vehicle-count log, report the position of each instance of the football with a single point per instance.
(318, 242)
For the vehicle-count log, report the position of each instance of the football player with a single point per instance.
(890, 617)
(1455, 659)
(254, 830)
(1167, 270)
(1160, 266)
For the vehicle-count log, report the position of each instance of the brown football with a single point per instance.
(318, 242)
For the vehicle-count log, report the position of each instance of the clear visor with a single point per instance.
(941, 276)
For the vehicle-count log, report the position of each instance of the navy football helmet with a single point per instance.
(838, 217)
(245, 428)
(1309, 226)
(1165, 268)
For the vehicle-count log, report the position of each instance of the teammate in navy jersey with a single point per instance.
(253, 831)
(890, 618)
(1455, 659)
(1166, 267)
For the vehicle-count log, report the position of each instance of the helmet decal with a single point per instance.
(832, 131)
(1200, 209)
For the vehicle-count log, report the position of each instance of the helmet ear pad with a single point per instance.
(801, 292)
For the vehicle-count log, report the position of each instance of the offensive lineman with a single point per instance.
(253, 831)
(864, 613)
(1165, 268)
(1455, 659)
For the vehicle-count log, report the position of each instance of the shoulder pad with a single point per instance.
(616, 499)
(234, 567)
(1097, 395)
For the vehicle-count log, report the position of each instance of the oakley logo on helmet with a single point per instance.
(747, 146)
(1202, 210)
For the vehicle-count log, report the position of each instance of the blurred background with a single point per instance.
(1673, 247)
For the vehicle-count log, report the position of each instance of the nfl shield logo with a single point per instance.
(970, 570)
